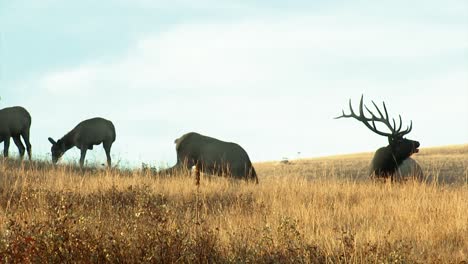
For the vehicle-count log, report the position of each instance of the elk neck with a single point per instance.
(68, 141)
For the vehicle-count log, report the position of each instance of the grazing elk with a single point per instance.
(15, 122)
(213, 156)
(393, 160)
(86, 134)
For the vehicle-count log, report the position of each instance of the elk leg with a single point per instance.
(25, 135)
(6, 145)
(20, 145)
(107, 148)
(83, 155)
(183, 165)
(197, 173)
(188, 163)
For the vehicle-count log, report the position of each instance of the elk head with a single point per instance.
(400, 147)
(57, 149)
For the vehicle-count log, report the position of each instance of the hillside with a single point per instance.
(446, 165)
(321, 210)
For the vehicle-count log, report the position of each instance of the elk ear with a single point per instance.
(52, 141)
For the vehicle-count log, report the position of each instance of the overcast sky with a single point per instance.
(269, 75)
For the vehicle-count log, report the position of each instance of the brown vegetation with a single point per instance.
(307, 211)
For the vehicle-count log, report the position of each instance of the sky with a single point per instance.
(268, 75)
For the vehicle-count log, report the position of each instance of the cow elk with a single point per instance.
(212, 156)
(15, 122)
(84, 136)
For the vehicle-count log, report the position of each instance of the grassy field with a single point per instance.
(322, 210)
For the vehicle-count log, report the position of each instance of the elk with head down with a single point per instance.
(15, 122)
(213, 156)
(394, 160)
(84, 136)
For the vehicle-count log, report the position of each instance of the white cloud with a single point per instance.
(199, 4)
(283, 79)
(77, 81)
(255, 54)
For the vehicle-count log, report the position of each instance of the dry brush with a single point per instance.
(307, 211)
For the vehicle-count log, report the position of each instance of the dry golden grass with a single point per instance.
(308, 211)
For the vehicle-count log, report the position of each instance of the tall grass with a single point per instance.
(308, 211)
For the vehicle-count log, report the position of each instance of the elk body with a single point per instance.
(212, 156)
(84, 136)
(15, 122)
(393, 160)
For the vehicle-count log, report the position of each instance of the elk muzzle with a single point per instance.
(415, 147)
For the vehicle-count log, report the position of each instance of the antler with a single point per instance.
(384, 119)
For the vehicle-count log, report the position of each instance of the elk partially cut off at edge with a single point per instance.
(15, 123)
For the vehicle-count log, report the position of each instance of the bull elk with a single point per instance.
(393, 160)
(15, 122)
(90, 132)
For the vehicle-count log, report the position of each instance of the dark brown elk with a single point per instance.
(15, 122)
(84, 136)
(212, 156)
(393, 160)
